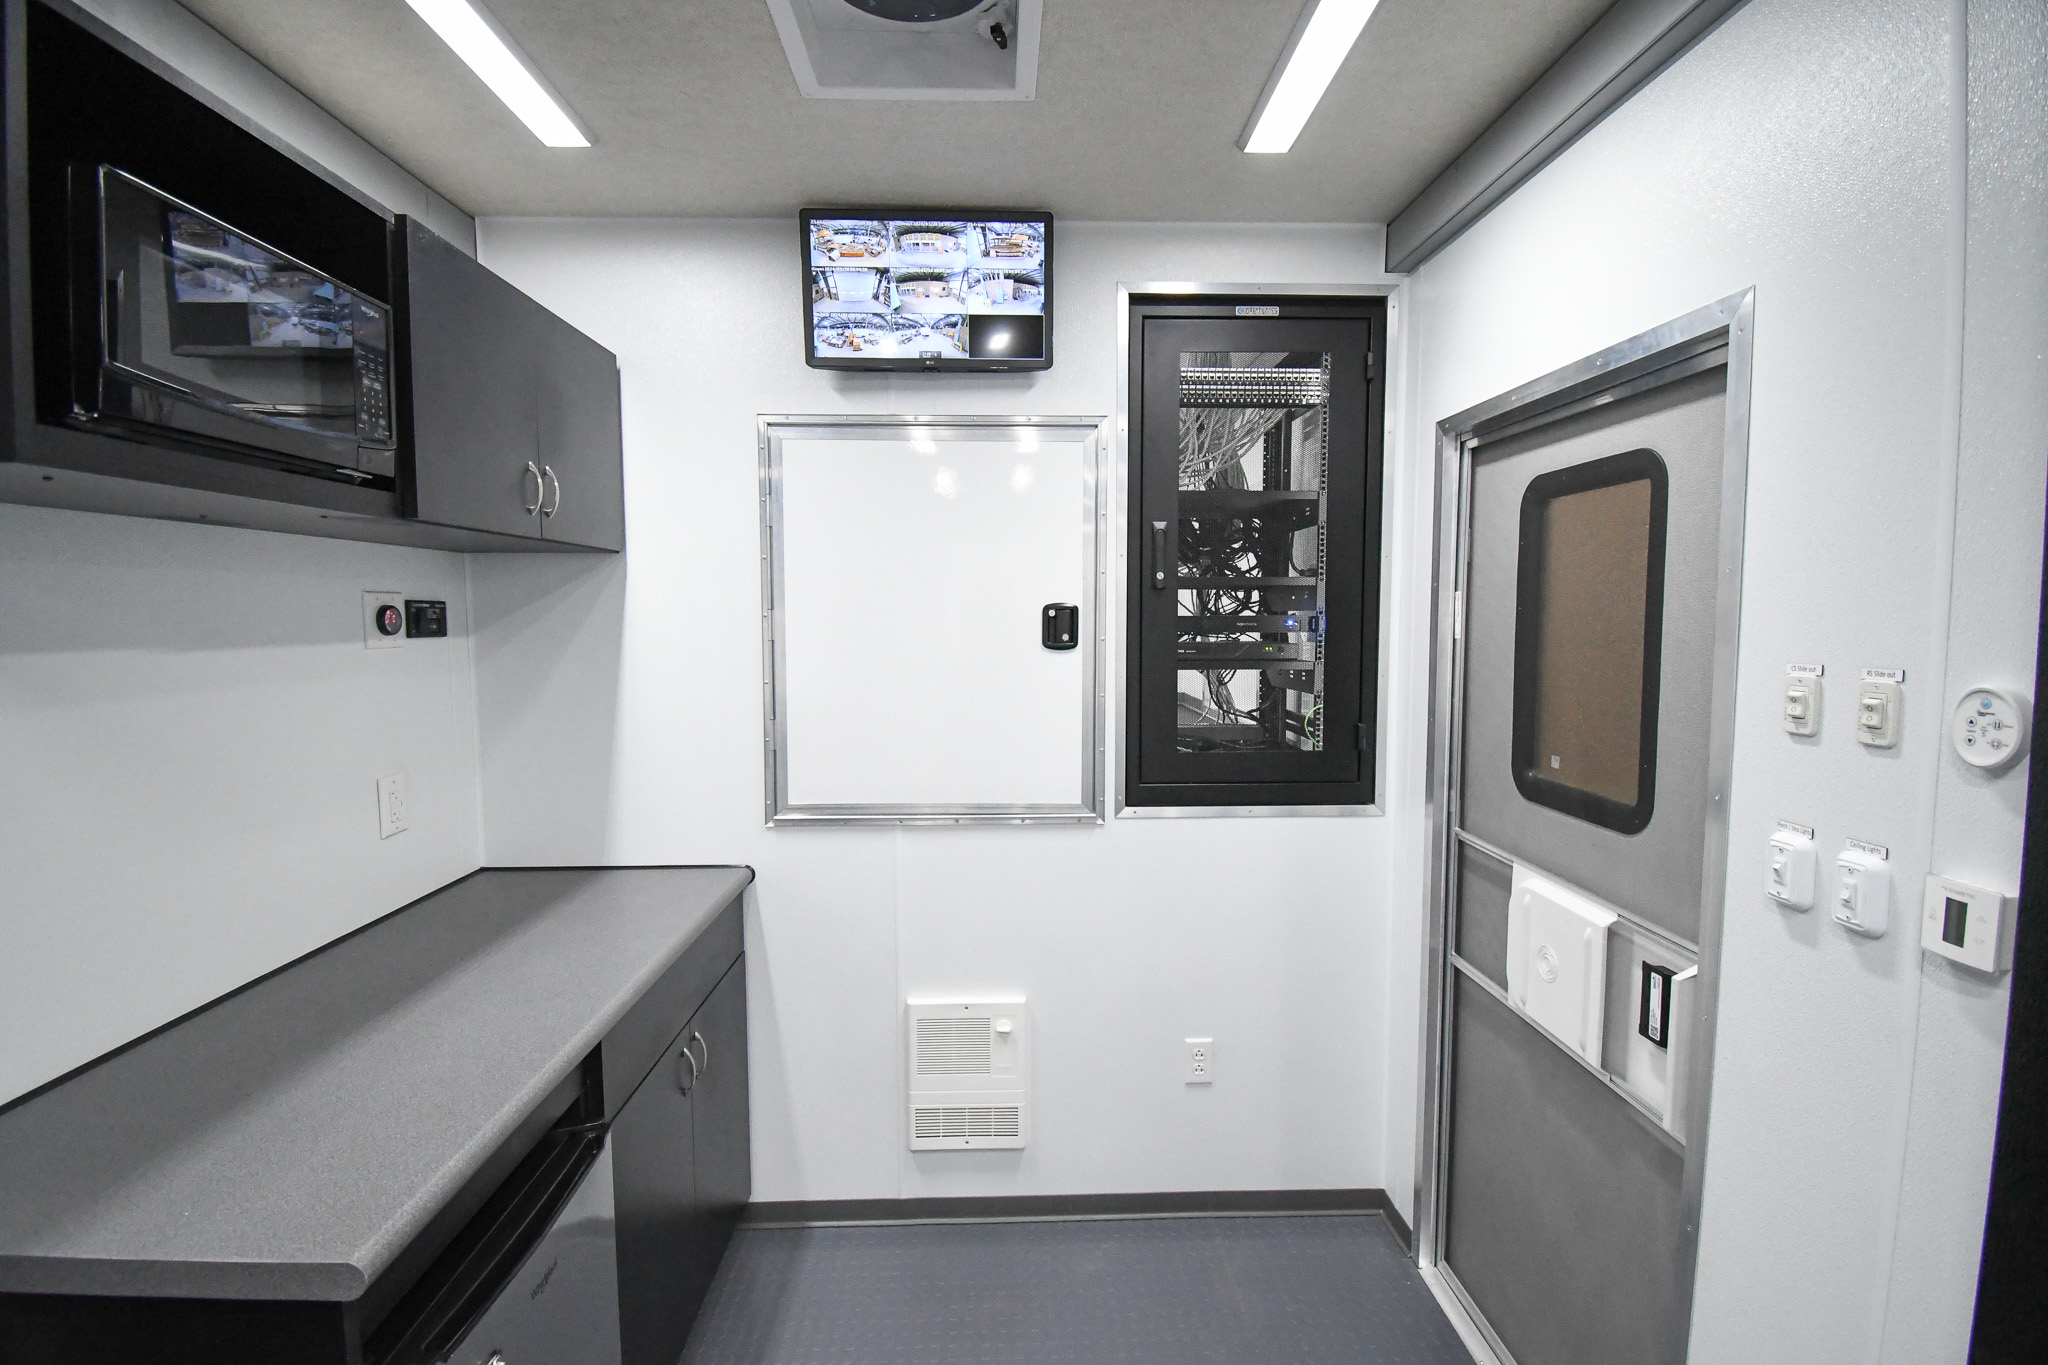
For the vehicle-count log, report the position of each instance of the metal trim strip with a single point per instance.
(1623, 51)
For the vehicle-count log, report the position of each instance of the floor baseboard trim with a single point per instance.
(812, 1213)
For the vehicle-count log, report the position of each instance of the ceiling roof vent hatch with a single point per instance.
(911, 49)
(915, 11)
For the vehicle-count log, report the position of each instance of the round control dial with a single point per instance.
(1989, 727)
(390, 619)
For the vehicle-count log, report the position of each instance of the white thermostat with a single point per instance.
(1989, 727)
(1966, 924)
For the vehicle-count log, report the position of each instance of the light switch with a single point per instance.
(1863, 890)
(1802, 703)
(1878, 699)
(1789, 874)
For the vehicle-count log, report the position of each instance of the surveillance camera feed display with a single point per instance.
(204, 310)
(952, 293)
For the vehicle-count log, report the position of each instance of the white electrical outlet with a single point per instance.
(1201, 1061)
(383, 620)
(391, 817)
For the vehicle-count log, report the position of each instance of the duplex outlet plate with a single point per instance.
(392, 817)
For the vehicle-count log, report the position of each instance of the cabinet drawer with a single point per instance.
(637, 1041)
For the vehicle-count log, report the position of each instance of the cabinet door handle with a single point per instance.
(540, 488)
(704, 1069)
(686, 1086)
(1159, 564)
(548, 471)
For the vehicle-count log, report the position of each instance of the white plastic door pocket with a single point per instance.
(1557, 960)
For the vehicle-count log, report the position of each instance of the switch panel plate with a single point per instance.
(1879, 697)
(1201, 1061)
(1989, 727)
(391, 812)
(1789, 875)
(1863, 890)
(1801, 709)
(383, 620)
(1967, 924)
(425, 618)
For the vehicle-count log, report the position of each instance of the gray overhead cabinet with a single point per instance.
(202, 326)
(509, 421)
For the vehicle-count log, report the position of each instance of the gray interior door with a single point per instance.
(1592, 558)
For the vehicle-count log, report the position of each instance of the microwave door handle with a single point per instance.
(548, 471)
(539, 488)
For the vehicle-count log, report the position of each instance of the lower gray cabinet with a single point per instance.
(681, 1173)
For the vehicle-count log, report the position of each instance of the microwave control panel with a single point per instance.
(373, 375)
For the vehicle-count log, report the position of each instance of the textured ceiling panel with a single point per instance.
(695, 112)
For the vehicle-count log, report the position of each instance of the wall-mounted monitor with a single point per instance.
(927, 289)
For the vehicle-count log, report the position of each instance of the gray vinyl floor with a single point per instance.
(1110, 1292)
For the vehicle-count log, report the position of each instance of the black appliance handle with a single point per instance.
(1161, 570)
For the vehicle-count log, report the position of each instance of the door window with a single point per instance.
(1589, 615)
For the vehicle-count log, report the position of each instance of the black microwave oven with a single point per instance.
(188, 332)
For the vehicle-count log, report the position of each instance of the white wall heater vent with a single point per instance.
(969, 1064)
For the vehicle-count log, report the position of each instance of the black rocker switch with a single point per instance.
(1060, 626)
(425, 618)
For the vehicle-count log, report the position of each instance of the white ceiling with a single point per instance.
(694, 110)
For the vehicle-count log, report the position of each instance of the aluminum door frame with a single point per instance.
(1676, 350)
(1120, 531)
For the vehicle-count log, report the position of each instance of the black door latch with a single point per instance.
(1060, 626)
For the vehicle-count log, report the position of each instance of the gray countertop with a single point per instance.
(289, 1141)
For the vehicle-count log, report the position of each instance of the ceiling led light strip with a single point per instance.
(487, 50)
(1322, 39)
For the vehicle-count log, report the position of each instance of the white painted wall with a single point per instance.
(1814, 149)
(191, 732)
(620, 710)
(1978, 819)
(190, 728)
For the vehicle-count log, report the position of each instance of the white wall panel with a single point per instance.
(1126, 938)
(191, 732)
(2002, 480)
(1813, 149)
